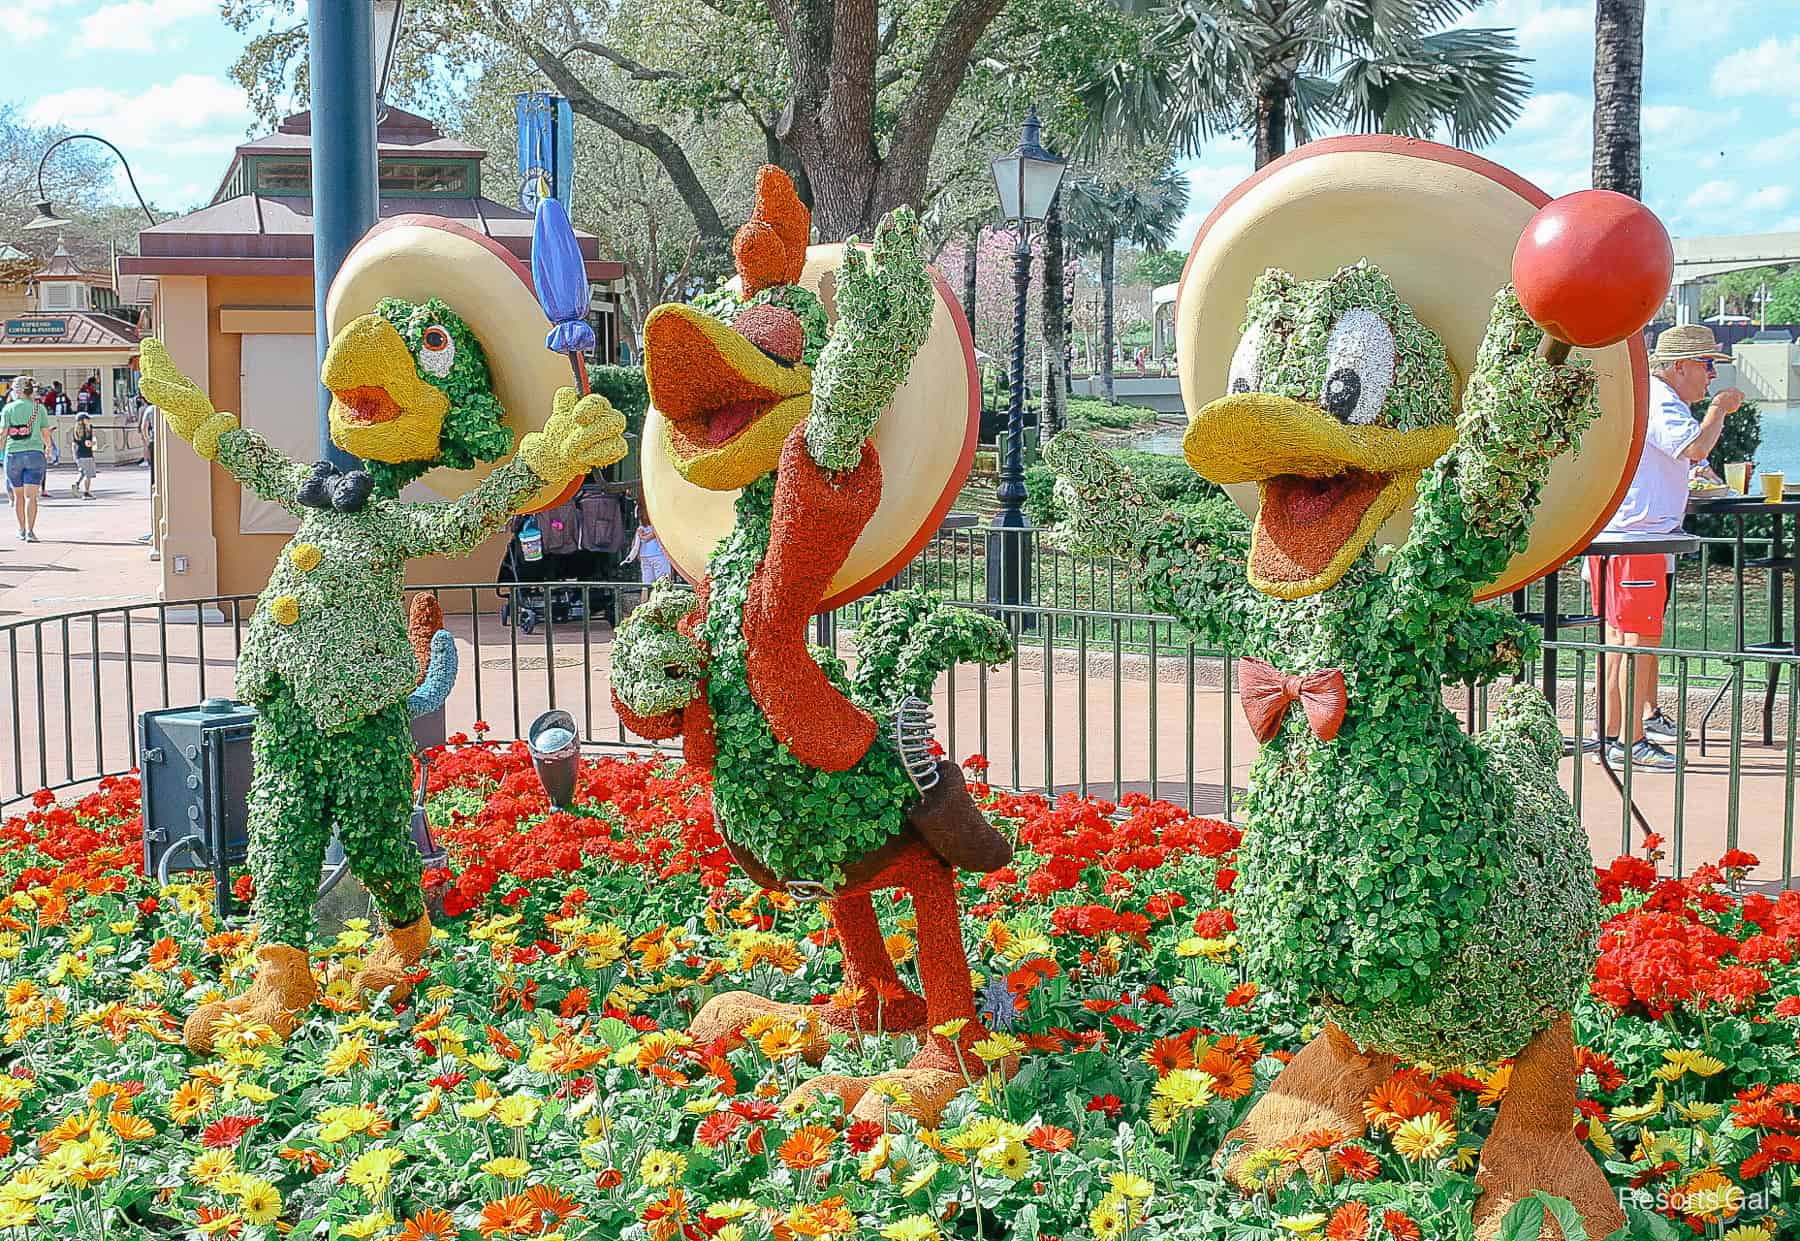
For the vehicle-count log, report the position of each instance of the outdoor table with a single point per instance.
(1604, 549)
(1778, 562)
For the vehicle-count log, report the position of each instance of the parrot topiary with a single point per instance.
(327, 658)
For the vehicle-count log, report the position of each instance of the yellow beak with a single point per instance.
(1326, 487)
(728, 406)
(380, 409)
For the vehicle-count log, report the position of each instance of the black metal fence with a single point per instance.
(1101, 697)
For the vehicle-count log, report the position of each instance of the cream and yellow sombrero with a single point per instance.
(417, 257)
(925, 438)
(1442, 224)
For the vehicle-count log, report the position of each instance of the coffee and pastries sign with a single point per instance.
(36, 329)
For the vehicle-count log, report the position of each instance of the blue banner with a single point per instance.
(546, 149)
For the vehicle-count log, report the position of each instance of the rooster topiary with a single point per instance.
(821, 779)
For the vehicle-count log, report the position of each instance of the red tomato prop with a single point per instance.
(1593, 267)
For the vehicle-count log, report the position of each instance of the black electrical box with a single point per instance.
(196, 776)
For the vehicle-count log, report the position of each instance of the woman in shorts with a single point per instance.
(27, 430)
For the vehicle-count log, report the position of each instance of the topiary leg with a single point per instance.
(372, 811)
(286, 821)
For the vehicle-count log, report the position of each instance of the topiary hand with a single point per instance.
(1108, 512)
(187, 410)
(582, 434)
(885, 301)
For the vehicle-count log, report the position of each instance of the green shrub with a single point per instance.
(1088, 413)
(1739, 441)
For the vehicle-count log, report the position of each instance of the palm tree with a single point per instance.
(1103, 213)
(1618, 94)
(1055, 325)
(1291, 68)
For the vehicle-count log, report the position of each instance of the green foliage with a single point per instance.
(885, 302)
(308, 785)
(802, 823)
(624, 386)
(1087, 413)
(1784, 298)
(1156, 267)
(1432, 890)
(655, 667)
(908, 637)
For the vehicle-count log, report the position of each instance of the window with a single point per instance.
(61, 295)
(409, 179)
(283, 176)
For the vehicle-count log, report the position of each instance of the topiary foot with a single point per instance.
(1322, 1088)
(283, 989)
(1533, 1146)
(391, 966)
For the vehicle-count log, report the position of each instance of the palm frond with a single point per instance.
(1472, 81)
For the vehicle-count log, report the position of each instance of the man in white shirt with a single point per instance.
(1637, 587)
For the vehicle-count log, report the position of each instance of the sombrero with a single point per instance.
(423, 256)
(926, 440)
(1442, 224)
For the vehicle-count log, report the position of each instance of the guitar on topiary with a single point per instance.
(1430, 891)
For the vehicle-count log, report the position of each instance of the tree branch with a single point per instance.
(633, 70)
(657, 141)
(943, 68)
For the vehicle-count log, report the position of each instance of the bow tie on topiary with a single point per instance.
(329, 488)
(1267, 693)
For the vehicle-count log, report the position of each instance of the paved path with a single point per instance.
(88, 557)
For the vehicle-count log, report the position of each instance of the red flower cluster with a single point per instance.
(1688, 942)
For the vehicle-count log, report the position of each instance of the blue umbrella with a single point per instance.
(560, 275)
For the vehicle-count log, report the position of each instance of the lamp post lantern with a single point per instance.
(1026, 180)
(46, 216)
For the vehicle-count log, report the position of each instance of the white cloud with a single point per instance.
(1208, 182)
(1553, 112)
(1780, 149)
(190, 115)
(140, 25)
(1769, 198)
(1713, 194)
(27, 22)
(1535, 20)
(1766, 69)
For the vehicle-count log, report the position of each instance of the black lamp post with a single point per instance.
(1026, 180)
(46, 215)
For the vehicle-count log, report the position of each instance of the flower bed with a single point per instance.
(540, 1084)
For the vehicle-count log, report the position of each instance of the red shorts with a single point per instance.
(1637, 592)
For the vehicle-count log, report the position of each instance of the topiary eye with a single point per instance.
(437, 351)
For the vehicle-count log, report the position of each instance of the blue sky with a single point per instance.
(1721, 100)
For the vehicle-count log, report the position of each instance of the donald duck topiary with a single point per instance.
(436, 359)
(1430, 891)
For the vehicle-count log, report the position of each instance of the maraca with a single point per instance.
(1591, 268)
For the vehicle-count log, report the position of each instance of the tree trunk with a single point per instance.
(1107, 252)
(1052, 413)
(1271, 119)
(971, 256)
(1618, 95)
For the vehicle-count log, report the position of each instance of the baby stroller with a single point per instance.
(576, 541)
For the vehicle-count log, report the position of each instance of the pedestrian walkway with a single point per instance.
(88, 556)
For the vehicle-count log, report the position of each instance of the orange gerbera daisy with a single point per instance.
(1404, 1096)
(1050, 1138)
(1355, 1162)
(1350, 1222)
(511, 1216)
(807, 1147)
(431, 1224)
(1233, 1075)
(553, 1204)
(1400, 1226)
(1168, 1054)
